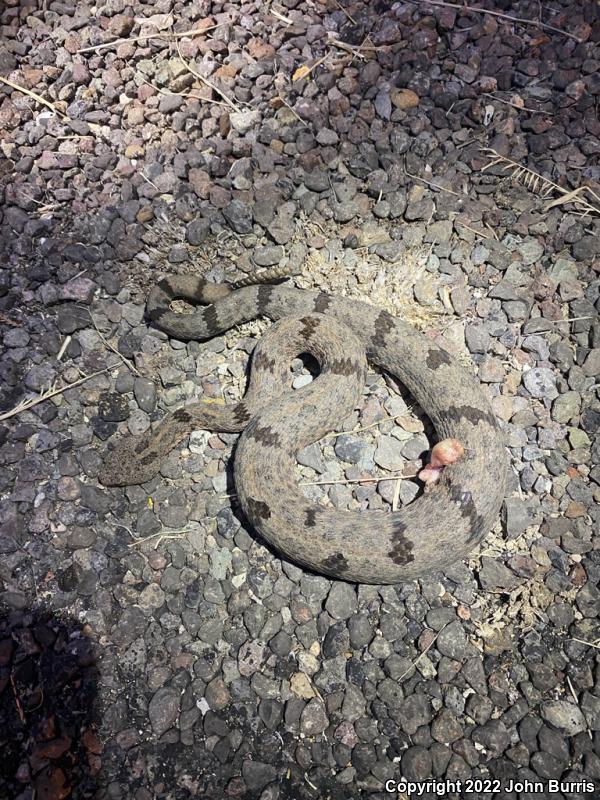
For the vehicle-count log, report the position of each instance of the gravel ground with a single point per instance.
(150, 645)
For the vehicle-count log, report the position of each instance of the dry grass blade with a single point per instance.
(213, 86)
(543, 186)
(144, 36)
(37, 97)
(51, 391)
(521, 20)
(129, 364)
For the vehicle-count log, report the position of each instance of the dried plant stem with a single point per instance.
(52, 391)
(288, 106)
(158, 35)
(334, 434)
(213, 86)
(396, 497)
(429, 183)
(533, 181)
(280, 16)
(159, 536)
(341, 482)
(355, 51)
(519, 108)
(588, 644)
(182, 94)
(473, 230)
(344, 481)
(521, 20)
(347, 13)
(105, 341)
(38, 98)
(420, 656)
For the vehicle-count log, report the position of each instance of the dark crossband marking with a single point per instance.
(241, 414)
(471, 414)
(402, 548)
(311, 516)
(436, 357)
(210, 318)
(262, 361)
(337, 563)
(263, 298)
(266, 436)
(309, 326)
(383, 325)
(344, 366)
(322, 302)
(258, 509)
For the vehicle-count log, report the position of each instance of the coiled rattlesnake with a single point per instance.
(371, 547)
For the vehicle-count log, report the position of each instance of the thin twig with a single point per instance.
(572, 319)
(341, 482)
(52, 391)
(307, 70)
(38, 98)
(368, 427)
(429, 183)
(514, 105)
(161, 535)
(396, 497)
(280, 16)
(473, 230)
(596, 645)
(125, 360)
(159, 35)
(532, 180)
(347, 13)
(574, 696)
(534, 22)
(420, 656)
(183, 94)
(348, 48)
(374, 479)
(63, 347)
(288, 106)
(213, 86)
(16, 699)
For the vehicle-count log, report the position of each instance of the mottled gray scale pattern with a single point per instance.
(263, 361)
(428, 534)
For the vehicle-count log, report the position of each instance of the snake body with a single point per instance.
(430, 533)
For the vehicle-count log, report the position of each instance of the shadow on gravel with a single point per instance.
(48, 745)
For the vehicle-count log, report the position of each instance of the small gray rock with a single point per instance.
(313, 719)
(163, 709)
(341, 601)
(540, 382)
(564, 715)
